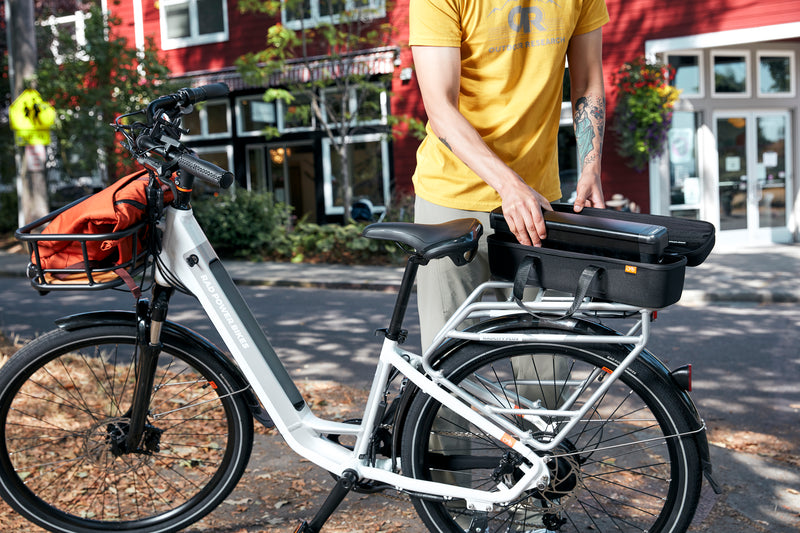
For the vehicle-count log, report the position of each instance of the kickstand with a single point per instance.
(343, 486)
(480, 522)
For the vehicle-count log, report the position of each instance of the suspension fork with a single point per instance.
(149, 320)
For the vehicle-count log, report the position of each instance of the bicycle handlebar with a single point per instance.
(200, 168)
(163, 140)
(205, 170)
(186, 97)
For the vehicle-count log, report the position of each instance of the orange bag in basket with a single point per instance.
(115, 208)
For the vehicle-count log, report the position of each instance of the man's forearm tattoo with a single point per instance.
(590, 119)
(444, 142)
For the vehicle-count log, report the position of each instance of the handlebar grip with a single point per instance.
(185, 97)
(206, 171)
(206, 92)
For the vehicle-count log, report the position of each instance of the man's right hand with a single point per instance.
(522, 209)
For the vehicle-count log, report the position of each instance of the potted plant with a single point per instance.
(644, 110)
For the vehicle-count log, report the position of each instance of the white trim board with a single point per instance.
(778, 32)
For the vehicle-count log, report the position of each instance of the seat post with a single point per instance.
(395, 330)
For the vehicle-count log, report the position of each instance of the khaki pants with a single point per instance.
(441, 285)
(441, 288)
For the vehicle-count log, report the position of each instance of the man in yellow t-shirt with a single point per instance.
(490, 73)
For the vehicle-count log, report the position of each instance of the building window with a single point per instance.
(298, 14)
(368, 157)
(193, 22)
(296, 115)
(684, 176)
(688, 73)
(254, 116)
(731, 73)
(366, 104)
(776, 77)
(210, 120)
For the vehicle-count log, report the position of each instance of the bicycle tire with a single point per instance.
(628, 465)
(64, 401)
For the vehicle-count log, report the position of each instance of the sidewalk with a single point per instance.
(763, 274)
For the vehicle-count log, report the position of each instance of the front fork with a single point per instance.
(149, 320)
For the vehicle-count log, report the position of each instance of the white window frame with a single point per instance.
(79, 20)
(194, 39)
(353, 105)
(281, 108)
(327, 173)
(203, 115)
(701, 71)
(792, 73)
(239, 110)
(227, 148)
(748, 83)
(373, 10)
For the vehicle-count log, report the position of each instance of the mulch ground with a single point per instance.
(280, 489)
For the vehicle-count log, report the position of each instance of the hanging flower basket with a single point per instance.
(644, 110)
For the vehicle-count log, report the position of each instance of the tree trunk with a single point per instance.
(21, 34)
(33, 203)
(347, 182)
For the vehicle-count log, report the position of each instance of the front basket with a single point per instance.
(85, 274)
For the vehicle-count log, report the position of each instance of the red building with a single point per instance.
(730, 157)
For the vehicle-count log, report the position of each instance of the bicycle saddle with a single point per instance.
(457, 239)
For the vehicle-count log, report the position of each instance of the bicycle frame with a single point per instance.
(188, 256)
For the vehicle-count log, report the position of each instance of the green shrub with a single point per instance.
(245, 224)
(332, 243)
(254, 226)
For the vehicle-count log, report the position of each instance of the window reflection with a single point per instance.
(774, 75)
(687, 73)
(730, 74)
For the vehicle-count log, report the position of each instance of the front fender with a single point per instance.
(175, 332)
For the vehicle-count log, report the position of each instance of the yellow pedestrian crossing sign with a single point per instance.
(31, 118)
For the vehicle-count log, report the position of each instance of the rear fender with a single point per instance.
(172, 332)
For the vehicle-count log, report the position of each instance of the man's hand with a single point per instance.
(522, 209)
(589, 192)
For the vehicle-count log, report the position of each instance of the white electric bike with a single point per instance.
(523, 421)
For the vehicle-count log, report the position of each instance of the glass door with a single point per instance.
(755, 163)
(287, 171)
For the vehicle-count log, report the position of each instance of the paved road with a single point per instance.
(745, 358)
(319, 334)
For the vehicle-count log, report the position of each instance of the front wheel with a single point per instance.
(624, 467)
(64, 414)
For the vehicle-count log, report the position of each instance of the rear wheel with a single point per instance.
(64, 413)
(622, 468)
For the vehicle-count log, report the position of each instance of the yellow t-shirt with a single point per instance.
(512, 67)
